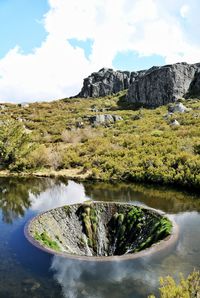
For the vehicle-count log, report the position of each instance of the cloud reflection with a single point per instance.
(59, 195)
(81, 279)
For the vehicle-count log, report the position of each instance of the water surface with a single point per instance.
(26, 271)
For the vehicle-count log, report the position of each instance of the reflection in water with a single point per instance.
(133, 278)
(87, 279)
(17, 195)
(59, 195)
(164, 198)
(14, 196)
(23, 198)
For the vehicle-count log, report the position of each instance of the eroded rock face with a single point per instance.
(194, 90)
(162, 85)
(153, 87)
(99, 229)
(107, 81)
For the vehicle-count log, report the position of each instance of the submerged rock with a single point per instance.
(99, 229)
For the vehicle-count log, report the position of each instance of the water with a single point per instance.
(26, 271)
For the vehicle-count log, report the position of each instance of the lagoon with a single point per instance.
(26, 271)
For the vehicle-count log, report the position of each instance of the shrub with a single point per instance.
(186, 288)
(14, 145)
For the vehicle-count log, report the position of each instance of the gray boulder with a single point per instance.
(178, 108)
(104, 119)
(175, 123)
(162, 85)
(107, 81)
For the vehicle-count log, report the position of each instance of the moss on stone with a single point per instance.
(88, 215)
(47, 241)
(118, 229)
(67, 209)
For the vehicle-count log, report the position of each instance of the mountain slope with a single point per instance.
(141, 145)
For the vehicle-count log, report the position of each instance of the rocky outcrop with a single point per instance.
(194, 90)
(162, 85)
(107, 81)
(153, 87)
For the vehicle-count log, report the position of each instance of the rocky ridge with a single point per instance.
(107, 81)
(153, 87)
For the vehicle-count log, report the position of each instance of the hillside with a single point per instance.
(125, 143)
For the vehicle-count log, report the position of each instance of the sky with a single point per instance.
(47, 47)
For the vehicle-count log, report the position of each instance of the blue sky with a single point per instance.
(20, 24)
(49, 46)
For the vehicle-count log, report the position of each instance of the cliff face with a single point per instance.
(107, 81)
(162, 85)
(154, 87)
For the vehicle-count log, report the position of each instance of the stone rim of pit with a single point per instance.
(161, 245)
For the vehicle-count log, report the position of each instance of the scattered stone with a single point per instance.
(137, 117)
(23, 104)
(175, 123)
(104, 119)
(168, 115)
(178, 108)
(80, 124)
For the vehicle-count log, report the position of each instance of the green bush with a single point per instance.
(147, 149)
(186, 288)
(14, 145)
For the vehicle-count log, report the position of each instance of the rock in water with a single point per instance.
(162, 85)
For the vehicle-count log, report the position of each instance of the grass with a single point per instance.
(143, 147)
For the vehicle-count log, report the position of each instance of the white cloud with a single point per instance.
(56, 69)
(184, 10)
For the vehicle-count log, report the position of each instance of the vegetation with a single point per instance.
(88, 216)
(14, 145)
(186, 288)
(142, 147)
(46, 241)
(132, 230)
